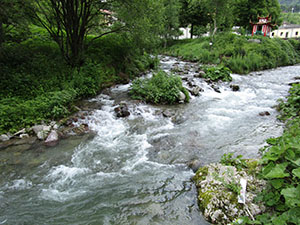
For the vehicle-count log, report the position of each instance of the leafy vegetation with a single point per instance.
(293, 18)
(217, 73)
(37, 85)
(160, 89)
(239, 53)
(281, 169)
(230, 160)
(290, 5)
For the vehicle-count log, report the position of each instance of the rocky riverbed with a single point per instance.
(134, 169)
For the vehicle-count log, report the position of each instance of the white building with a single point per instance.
(286, 31)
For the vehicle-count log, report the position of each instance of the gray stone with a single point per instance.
(47, 128)
(42, 135)
(255, 41)
(182, 97)
(24, 136)
(52, 138)
(37, 128)
(168, 113)
(23, 131)
(219, 203)
(4, 137)
(195, 165)
(122, 110)
(216, 89)
(266, 113)
(200, 74)
(195, 91)
(235, 87)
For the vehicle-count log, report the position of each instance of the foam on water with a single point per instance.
(18, 185)
(133, 171)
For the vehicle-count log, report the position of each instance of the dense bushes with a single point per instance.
(161, 88)
(239, 53)
(37, 85)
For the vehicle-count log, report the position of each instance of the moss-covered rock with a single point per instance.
(218, 189)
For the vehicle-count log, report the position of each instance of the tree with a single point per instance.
(194, 13)
(220, 13)
(70, 21)
(12, 16)
(201, 13)
(249, 10)
(171, 19)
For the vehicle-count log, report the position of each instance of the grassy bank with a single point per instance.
(37, 85)
(281, 167)
(241, 54)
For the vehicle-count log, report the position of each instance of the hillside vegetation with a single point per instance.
(241, 54)
(37, 84)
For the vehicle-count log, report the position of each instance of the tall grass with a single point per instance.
(239, 53)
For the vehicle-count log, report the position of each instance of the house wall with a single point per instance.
(285, 32)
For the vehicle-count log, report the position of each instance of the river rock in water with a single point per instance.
(52, 138)
(122, 110)
(217, 199)
(235, 87)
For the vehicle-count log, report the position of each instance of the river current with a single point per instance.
(134, 170)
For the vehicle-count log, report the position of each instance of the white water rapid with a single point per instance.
(134, 170)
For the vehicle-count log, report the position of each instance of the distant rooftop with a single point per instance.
(289, 26)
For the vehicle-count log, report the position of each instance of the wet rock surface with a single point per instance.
(216, 193)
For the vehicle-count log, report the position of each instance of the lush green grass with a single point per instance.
(237, 53)
(37, 85)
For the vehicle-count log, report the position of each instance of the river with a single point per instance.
(134, 170)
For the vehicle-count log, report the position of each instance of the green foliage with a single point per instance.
(291, 108)
(160, 89)
(37, 85)
(16, 113)
(245, 10)
(238, 53)
(233, 186)
(238, 162)
(281, 168)
(292, 18)
(217, 73)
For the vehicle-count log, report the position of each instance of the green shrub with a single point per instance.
(291, 108)
(160, 89)
(217, 73)
(36, 83)
(16, 113)
(237, 53)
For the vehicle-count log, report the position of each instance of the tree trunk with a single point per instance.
(215, 27)
(192, 31)
(1, 34)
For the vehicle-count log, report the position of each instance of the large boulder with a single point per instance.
(218, 189)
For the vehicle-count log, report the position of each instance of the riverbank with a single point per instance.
(109, 178)
(273, 181)
(37, 86)
(242, 54)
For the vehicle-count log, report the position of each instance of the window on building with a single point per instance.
(273, 34)
(287, 34)
(296, 33)
(281, 33)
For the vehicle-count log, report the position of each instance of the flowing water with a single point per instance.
(133, 171)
